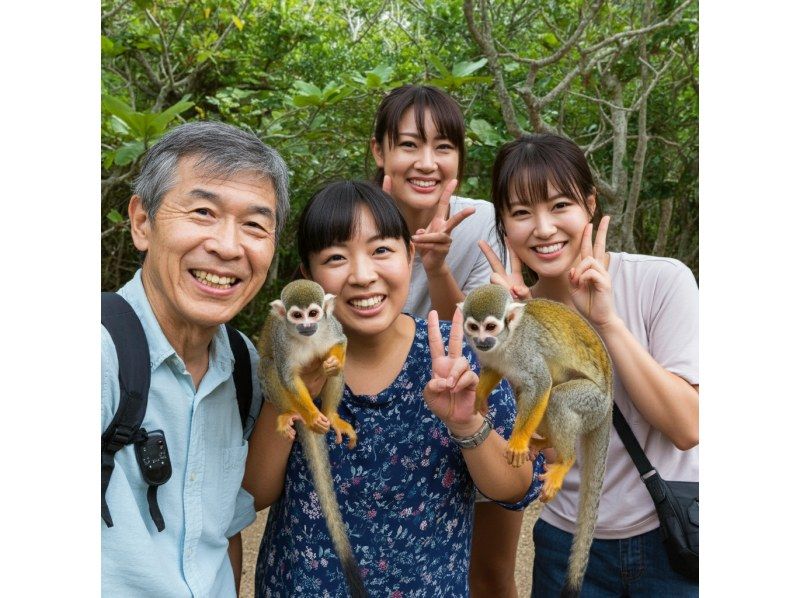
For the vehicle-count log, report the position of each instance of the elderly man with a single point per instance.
(206, 211)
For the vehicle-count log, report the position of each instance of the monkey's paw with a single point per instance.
(286, 424)
(517, 455)
(553, 478)
(341, 427)
(331, 367)
(316, 422)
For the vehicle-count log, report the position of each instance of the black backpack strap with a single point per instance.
(632, 445)
(243, 379)
(122, 323)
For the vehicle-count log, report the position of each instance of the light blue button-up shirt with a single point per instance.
(203, 503)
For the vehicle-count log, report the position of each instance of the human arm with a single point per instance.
(667, 401)
(235, 555)
(433, 244)
(450, 395)
(265, 471)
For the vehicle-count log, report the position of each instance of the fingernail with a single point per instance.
(451, 382)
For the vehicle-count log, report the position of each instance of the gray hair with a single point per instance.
(222, 150)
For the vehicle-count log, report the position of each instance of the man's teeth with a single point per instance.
(364, 303)
(419, 183)
(213, 280)
(549, 248)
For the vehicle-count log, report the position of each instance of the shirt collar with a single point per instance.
(160, 349)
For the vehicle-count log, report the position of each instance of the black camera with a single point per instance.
(153, 458)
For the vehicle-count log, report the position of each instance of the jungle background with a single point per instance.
(619, 78)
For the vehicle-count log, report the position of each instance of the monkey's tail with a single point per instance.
(594, 451)
(315, 451)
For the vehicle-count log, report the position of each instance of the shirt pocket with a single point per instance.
(230, 480)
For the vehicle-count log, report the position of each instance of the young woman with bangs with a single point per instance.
(418, 148)
(406, 490)
(646, 310)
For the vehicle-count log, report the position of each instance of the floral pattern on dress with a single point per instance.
(405, 494)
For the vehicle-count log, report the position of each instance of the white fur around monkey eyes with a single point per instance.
(490, 325)
(313, 313)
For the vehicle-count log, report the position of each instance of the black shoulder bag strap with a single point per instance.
(677, 506)
(647, 472)
(242, 378)
(133, 355)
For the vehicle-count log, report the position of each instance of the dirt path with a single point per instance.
(252, 537)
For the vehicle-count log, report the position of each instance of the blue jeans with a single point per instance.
(635, 566)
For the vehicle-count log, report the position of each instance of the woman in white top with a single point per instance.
(646, 310)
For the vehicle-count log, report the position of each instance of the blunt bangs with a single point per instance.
(331, 217)
(526, 173)
(525, 166)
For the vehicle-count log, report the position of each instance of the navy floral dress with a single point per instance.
(405, 493)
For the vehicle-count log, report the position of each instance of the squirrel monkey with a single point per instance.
(300, 331)
(561, 374)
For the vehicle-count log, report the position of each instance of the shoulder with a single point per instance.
(478, 226)
(649, 270)
(483, 209)
(650, 263)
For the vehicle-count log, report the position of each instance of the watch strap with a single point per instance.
(477, 438)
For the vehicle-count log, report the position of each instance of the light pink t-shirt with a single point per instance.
(658, 300)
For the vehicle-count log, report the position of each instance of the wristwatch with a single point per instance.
(477, 438)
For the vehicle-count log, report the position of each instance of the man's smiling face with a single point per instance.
(209, 248)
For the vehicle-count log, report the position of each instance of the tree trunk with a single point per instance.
(660, 246)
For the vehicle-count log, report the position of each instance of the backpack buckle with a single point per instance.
(119, 436)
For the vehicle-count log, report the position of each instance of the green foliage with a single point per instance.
(307, 78)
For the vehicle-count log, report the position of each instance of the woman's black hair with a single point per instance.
(445, 112)
(331, 217)
(526, 166)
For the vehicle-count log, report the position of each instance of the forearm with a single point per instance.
(668, 402)
(235, 554)
(489, 468)
(265, 471)
(444, 292)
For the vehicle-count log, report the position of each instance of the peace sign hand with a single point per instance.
(590, 282)
(433, 242)
(514, 281)
(450, 393)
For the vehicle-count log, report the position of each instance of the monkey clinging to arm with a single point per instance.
(562, 378)
(299, 331)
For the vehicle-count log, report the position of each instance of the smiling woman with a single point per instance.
(406, 490)
(418, 148)
(645, 310)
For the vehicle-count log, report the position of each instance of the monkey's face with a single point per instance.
(305, 319)
(486, 334)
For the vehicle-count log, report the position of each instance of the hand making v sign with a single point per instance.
(590, 282)
(514, 281)
(450, 393)
(433, 242)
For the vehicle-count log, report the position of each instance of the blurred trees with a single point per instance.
(619, 78)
